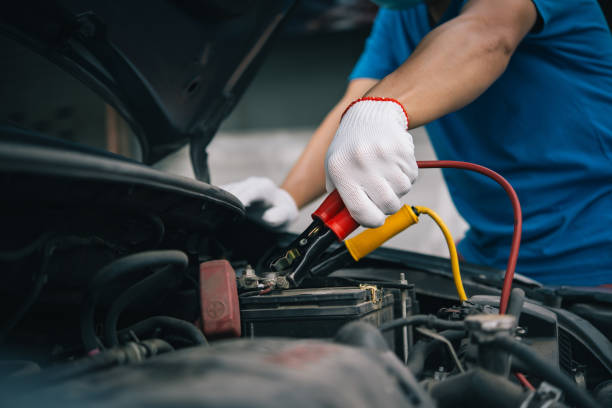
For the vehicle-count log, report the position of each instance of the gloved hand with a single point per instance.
(265, 201)
(371, 159)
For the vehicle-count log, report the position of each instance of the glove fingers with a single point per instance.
(382, 194)
(251, 190)
(283, 210)
(275, 217)
(361, 208)
(410, 169)
(400, 182)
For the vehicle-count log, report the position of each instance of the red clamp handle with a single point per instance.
(336, 216)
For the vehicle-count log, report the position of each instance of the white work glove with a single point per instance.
(265, 201)
(371, 160)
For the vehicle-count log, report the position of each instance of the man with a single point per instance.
(523, 87)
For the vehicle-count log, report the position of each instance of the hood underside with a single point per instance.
(173, 69)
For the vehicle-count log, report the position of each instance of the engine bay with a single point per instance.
(128, 286)
(125, 286)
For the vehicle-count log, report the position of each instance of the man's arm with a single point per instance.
(371, 159)
(306, 180)
(459, 60)
(452, 66)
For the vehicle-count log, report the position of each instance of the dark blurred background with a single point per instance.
(306, 70)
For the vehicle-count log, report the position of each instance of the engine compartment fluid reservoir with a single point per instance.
(219, 300)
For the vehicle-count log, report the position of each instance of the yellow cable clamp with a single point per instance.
(451, 248)
(370, 239)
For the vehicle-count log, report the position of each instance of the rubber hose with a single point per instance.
(157, 346)
(107, 359)
(40, 279)
(546, 371)
(151, 284)
(478, 388)
(17, 254)
(169, 324)
(515, 305)
(361, 334)
(423, 349)
(160, 229)
(120, 268)
(430, 321)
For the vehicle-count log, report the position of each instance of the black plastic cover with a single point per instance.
(44, 173)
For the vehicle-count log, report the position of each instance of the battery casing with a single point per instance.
(314, 313)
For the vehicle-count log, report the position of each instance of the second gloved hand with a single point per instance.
(371, 160)
(265, 201)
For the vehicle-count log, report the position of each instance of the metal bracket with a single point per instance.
(373, 292)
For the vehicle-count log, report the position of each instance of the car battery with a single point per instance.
(314, 313)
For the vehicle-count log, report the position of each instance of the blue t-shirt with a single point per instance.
(545, 125)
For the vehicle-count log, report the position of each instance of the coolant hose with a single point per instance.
(546, 371)
(120, 268)
(154, 283)
(478, 388)
(130, 353)
(515, 305)
(168, 324)
(430, 321)
(515, 308)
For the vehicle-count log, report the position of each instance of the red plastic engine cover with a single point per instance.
(219, 297)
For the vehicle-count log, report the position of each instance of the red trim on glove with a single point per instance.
(379, 99)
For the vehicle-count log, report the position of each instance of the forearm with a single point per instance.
(453, 65)
(306, 180)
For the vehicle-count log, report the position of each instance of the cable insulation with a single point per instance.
(451, 249)
(518, 217)
(524, 381)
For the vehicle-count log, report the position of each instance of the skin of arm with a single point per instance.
(457, 61)
(452, 66)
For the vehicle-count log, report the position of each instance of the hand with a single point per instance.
(371, 160)
(265, 201)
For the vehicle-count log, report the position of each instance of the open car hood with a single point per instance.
(174, 69)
